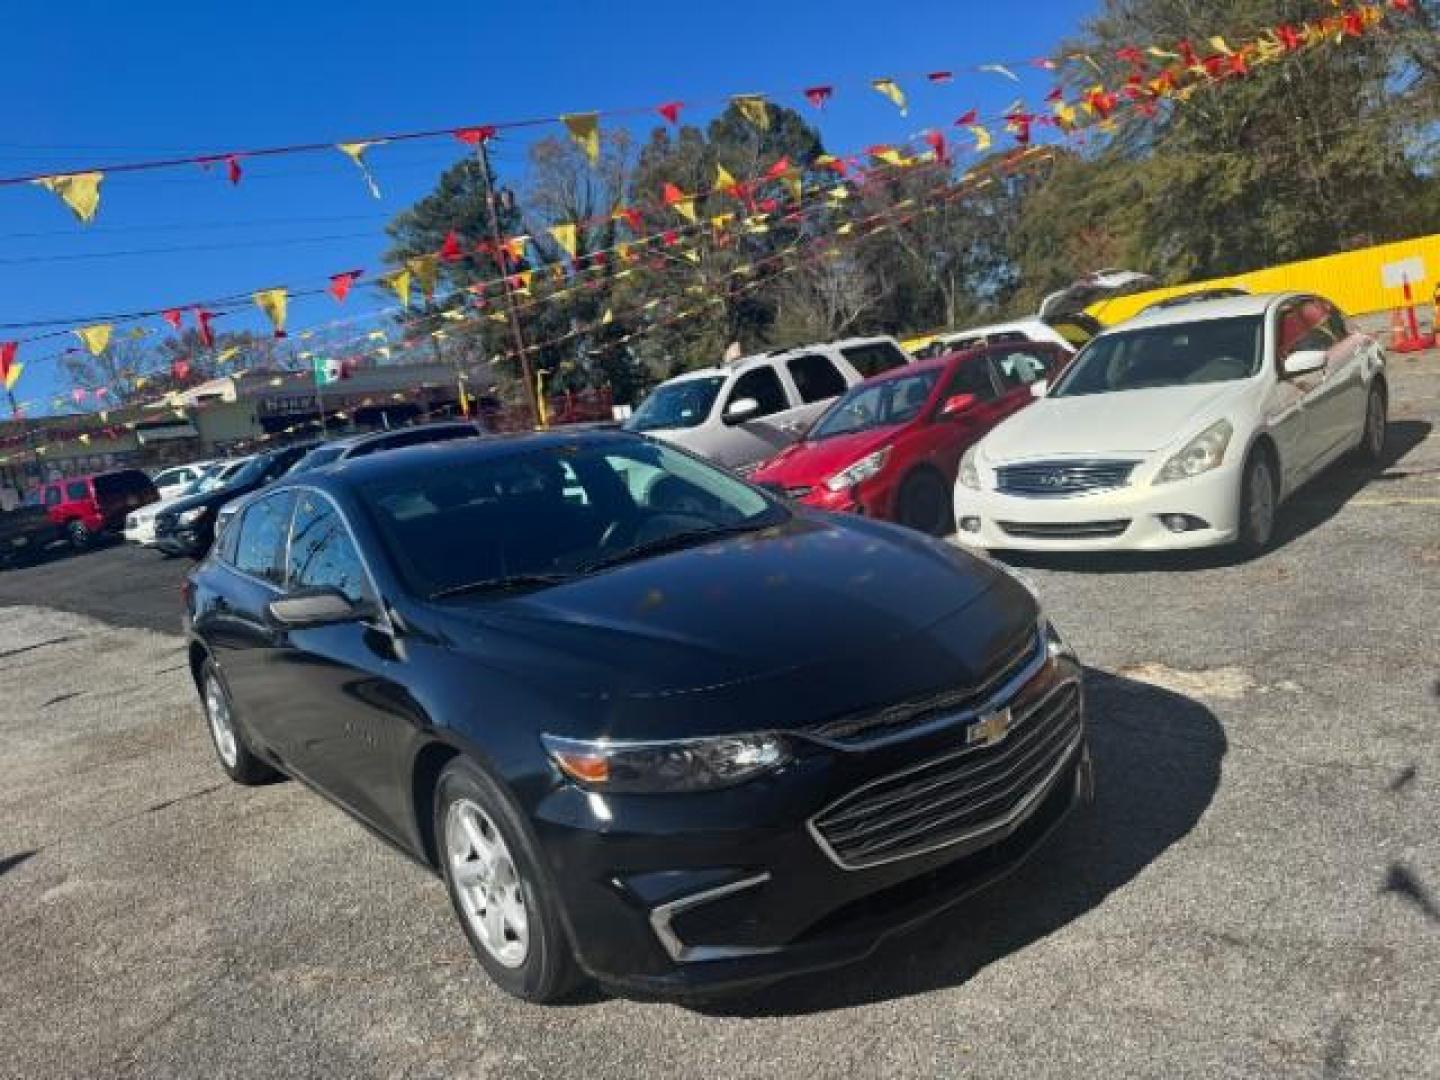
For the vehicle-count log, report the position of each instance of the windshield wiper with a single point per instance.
(501, 584)
(674, 542)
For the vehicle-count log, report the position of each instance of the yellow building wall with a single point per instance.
(1351, 279)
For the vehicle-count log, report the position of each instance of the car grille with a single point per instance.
(1065, 530)
(959, 797)
(905, 719)
(1062, 479)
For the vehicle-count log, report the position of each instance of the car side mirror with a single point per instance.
(1039, 388)
(315, 607)
(741, 409)
(957, 404)
(1304, 362)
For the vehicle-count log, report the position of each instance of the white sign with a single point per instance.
(1395, 275)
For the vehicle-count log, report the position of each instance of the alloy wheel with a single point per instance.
(491, 894)
(222, 727)
(1261, 506)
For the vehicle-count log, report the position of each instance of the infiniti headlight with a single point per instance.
(668, 765)
(969, 471)
(189, 517)
(1201, 454)
(863, 469)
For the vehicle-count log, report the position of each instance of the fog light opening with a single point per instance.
(970, 524)
(1179, 523)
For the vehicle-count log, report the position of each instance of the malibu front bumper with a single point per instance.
(1199, 512)
(819, 863)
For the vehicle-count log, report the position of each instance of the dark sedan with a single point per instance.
(649, 723)
(187, 526)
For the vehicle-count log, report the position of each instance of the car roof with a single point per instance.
(1026, 325)
(745, 363)
(454, 453)
(939, 363)
(1229, 307)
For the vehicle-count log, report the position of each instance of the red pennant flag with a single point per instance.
(779, 169)
(180, 369)
(1287, 37)
(940, 76)
(936, 140)
(340, 284)
(1131, 55)
(670, 237)
(818, 95)
(633, 219)
(1057, 94)
(969, 118)
(450, 250)
(202, 326)
(173, 317)
(474, 136)
(671, 111)
(672, 194)
(769, 206)
(232, 169)
(7, 358)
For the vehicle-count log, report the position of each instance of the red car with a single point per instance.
(890, 448)
(83, 507)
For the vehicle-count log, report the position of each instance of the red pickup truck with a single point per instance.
(84, 507)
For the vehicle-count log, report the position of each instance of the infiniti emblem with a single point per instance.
(1055, 479)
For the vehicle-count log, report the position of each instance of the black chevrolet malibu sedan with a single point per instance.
(649, 723)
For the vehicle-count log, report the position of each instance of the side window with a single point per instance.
(762, 384)
(1305, 324)
(78, 491)
(322, 554)
(260, 545)
(1022, 367)
(971, 378)
(52, 496)
(816, 377)
(1335, 325)
(876, 358)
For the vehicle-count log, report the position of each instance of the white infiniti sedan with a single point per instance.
(1183, 428)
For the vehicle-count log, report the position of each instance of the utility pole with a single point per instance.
(526, 377)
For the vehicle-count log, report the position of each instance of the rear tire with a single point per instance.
(79, 535)
(237, 759)
(1259, 502)
(924, 504)
(1372, 441)
(501, 895)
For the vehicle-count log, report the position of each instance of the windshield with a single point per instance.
(533, 517)
(677, 404)
(871, 405)
(321, 455)
(1181, 354)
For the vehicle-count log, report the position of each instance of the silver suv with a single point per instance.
(744, 412)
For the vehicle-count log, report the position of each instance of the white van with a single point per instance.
(744, 412)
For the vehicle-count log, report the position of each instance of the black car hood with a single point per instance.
(210, 499)
(804, 621)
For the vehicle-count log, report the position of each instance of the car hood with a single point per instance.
(209, 499)
(1130, 422)
(808, 620)
(815, 462)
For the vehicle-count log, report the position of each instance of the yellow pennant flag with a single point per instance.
(754, 109)
(564, 235)
(453, 315)
(890, 89)
(724, 182)
(12, 375)
(791, 179)
(516, 247)
(692, 255)
(398, 282)
(888, 154)
(982, 138)
(525, 277)
(79, 191)
(426, 269)
(96, 338)
(584, 128)
(607, 318)
(721, 222)
(274, 302)
(1162, 54)
(355, 151)
(376, 335)
(1219, 44)
(1066, 114)
(227, 354)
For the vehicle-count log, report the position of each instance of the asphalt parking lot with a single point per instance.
(1255, 893)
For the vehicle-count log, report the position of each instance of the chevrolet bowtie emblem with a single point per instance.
(989, 729)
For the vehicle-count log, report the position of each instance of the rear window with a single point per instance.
(120, 484)
(413, 438)
(876, 358)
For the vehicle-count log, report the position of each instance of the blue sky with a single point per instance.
(92, 83)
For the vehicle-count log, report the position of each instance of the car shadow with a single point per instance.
(1157, 761)
(1313, 505)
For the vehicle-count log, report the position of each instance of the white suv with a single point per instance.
(745, 412)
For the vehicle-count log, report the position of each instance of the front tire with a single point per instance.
(924, 504)
(237, 759)
(1259, 502)
(1372, 442)
(501, 896)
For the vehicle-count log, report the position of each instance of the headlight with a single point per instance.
(667, 766)
(189, 517)
(1201, 454)
(969, 471)
(862, 470)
